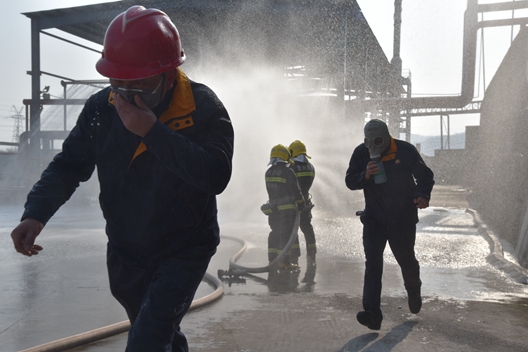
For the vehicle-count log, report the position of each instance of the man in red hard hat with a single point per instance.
(163, 147)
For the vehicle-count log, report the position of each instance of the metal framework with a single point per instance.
(471, 108)
(353, 60)
(328, 37)
(407, 106)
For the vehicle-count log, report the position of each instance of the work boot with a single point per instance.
(415, 300)
(370, 319)
(310, 259)
(293, 266)
(288, 266)
(309, 275)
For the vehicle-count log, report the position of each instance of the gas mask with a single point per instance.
(377, 137)
(151, 97)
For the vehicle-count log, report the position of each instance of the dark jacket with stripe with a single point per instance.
(391, 203)
(160, 201)
(305, 173)
(283, 188)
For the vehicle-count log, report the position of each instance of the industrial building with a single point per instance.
(327, 51)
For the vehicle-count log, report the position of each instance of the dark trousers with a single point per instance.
(308, 231)
(157, 299)
(401, 241)
(281, 223)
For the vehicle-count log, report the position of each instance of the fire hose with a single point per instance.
(234, 267)
(118, 328)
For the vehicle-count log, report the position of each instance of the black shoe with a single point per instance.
(289, 267)
(369, 319)
(415, 301)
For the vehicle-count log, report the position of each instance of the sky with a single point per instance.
(431, 48)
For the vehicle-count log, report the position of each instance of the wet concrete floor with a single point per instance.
(469, 304)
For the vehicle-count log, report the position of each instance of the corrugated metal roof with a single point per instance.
(317, 34)
(87, 22)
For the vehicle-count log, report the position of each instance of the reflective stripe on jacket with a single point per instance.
(305, 173)
(282, 186)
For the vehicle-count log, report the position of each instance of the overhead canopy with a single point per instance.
(330, 38)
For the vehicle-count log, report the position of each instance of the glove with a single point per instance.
(266, 209)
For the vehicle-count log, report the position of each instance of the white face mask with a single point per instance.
(151, 97)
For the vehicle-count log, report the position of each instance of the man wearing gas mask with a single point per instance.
(395, 183)
(163, 146)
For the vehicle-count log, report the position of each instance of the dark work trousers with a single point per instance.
(295, 250)
(401, 241)
(308, 231)
(281, 223)
(156, 300)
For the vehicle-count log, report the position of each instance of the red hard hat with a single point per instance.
(140, 43)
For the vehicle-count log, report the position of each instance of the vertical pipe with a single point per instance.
(448, 132)
(468, 74)
(345, 54)
(396, 63)
(441, 132)
(469, 51)
(65, 105)
(34, 119)
(408, 117)
(512, 27)
(345, 63)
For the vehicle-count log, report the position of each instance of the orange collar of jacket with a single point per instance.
(178, 115)
(391, 152)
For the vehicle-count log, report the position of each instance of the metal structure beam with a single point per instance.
(327, 37)
(503, 6)
(471, 108)
(462, 104)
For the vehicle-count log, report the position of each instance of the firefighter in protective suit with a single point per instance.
(162, 146)
(285, 198)
(305, 172)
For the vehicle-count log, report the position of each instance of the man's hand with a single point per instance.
(137, 119)
(24, 236)
(372, 169)
(421, 202)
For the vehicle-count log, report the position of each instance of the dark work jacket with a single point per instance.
(283, 188)
(391, 203)
(156, 201)
(305, 173)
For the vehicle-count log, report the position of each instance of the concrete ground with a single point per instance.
(473, 296)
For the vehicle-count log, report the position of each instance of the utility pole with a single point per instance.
(18, 124)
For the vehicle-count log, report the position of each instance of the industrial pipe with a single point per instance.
(468, 76)
(471, 26)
